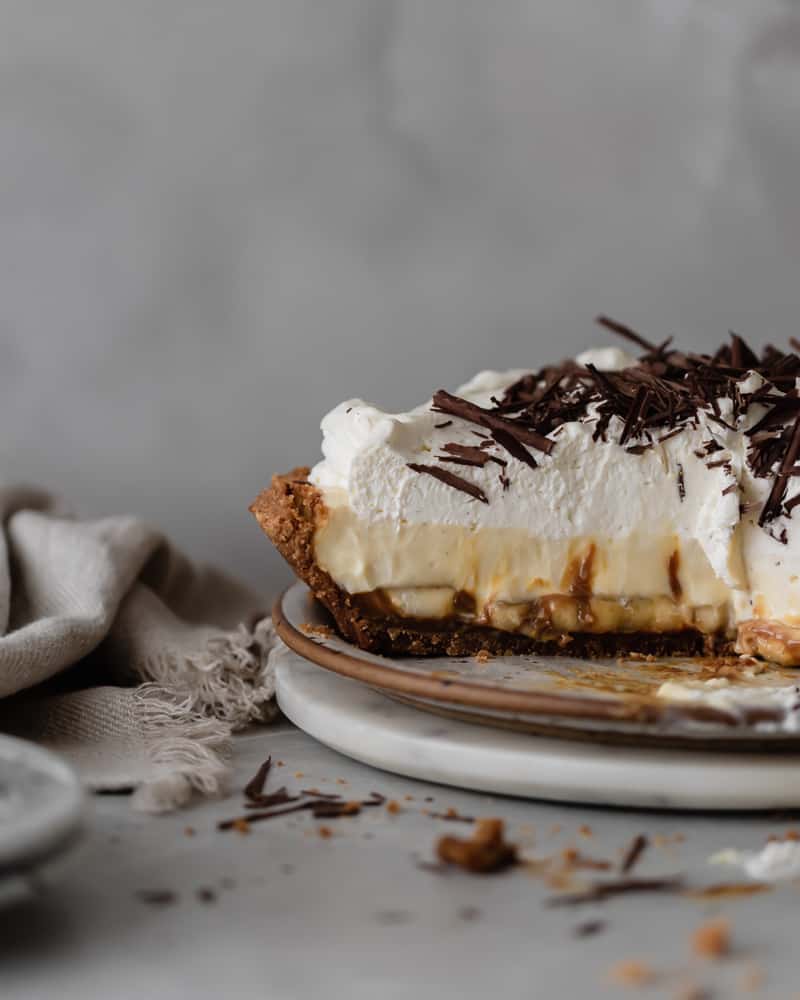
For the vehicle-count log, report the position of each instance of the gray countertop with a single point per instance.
(295, 914)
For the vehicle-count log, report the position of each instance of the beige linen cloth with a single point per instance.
(120, 654)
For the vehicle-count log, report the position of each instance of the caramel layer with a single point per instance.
(550, 616)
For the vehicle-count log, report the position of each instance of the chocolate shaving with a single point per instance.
(772, 507)
(626, 332)
(157, 897)
(320, 809)
(477, 455)
(451, 479)
(514, 448)
(254, 788)
(444, 402)
(332, 810)
(279, 798)
(681, 483)
(601, 891)
(633, 853)
(258, 817)
(589, 928)
(662, 394)
(444, 423)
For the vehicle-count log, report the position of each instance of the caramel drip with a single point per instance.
(674, 566)
(464, 603)
(577, 581)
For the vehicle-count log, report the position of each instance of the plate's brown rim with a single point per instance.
(633, 709)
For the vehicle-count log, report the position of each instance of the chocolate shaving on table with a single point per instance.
(254, 788)
(320, 809)
(279, 798)
(633, 853)
(332, 810)
(258, 817)
(589, 928)
(641, 406)
(157, 897)
(601, 891)
(451, 479)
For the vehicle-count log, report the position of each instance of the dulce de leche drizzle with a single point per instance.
(577, 581)
(673, 568)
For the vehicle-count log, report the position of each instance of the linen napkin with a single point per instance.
(118, 652)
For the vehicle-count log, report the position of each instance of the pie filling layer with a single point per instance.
(545, 589)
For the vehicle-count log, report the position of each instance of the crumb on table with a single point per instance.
(712, 939)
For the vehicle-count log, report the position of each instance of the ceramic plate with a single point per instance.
(565, 696)
(41, 806)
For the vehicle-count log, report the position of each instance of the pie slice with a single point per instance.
(597, 506)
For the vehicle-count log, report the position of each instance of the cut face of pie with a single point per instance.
(598, 506)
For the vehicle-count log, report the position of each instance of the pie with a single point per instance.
(611, 503)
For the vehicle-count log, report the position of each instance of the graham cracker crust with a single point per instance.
(288, 511)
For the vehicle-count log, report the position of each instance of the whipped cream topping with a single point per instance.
(777, 861)
(737, 699)
(584, 488)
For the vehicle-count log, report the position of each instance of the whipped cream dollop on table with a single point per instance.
(668, 518)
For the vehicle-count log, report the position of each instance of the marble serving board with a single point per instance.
(358, 721)
(735, 703)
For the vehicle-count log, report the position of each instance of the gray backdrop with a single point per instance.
(219, 219)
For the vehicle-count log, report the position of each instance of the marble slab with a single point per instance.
(372, 728)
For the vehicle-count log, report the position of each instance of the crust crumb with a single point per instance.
(632, 972)
(484, 852)
(713, 939)
(320, 631)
